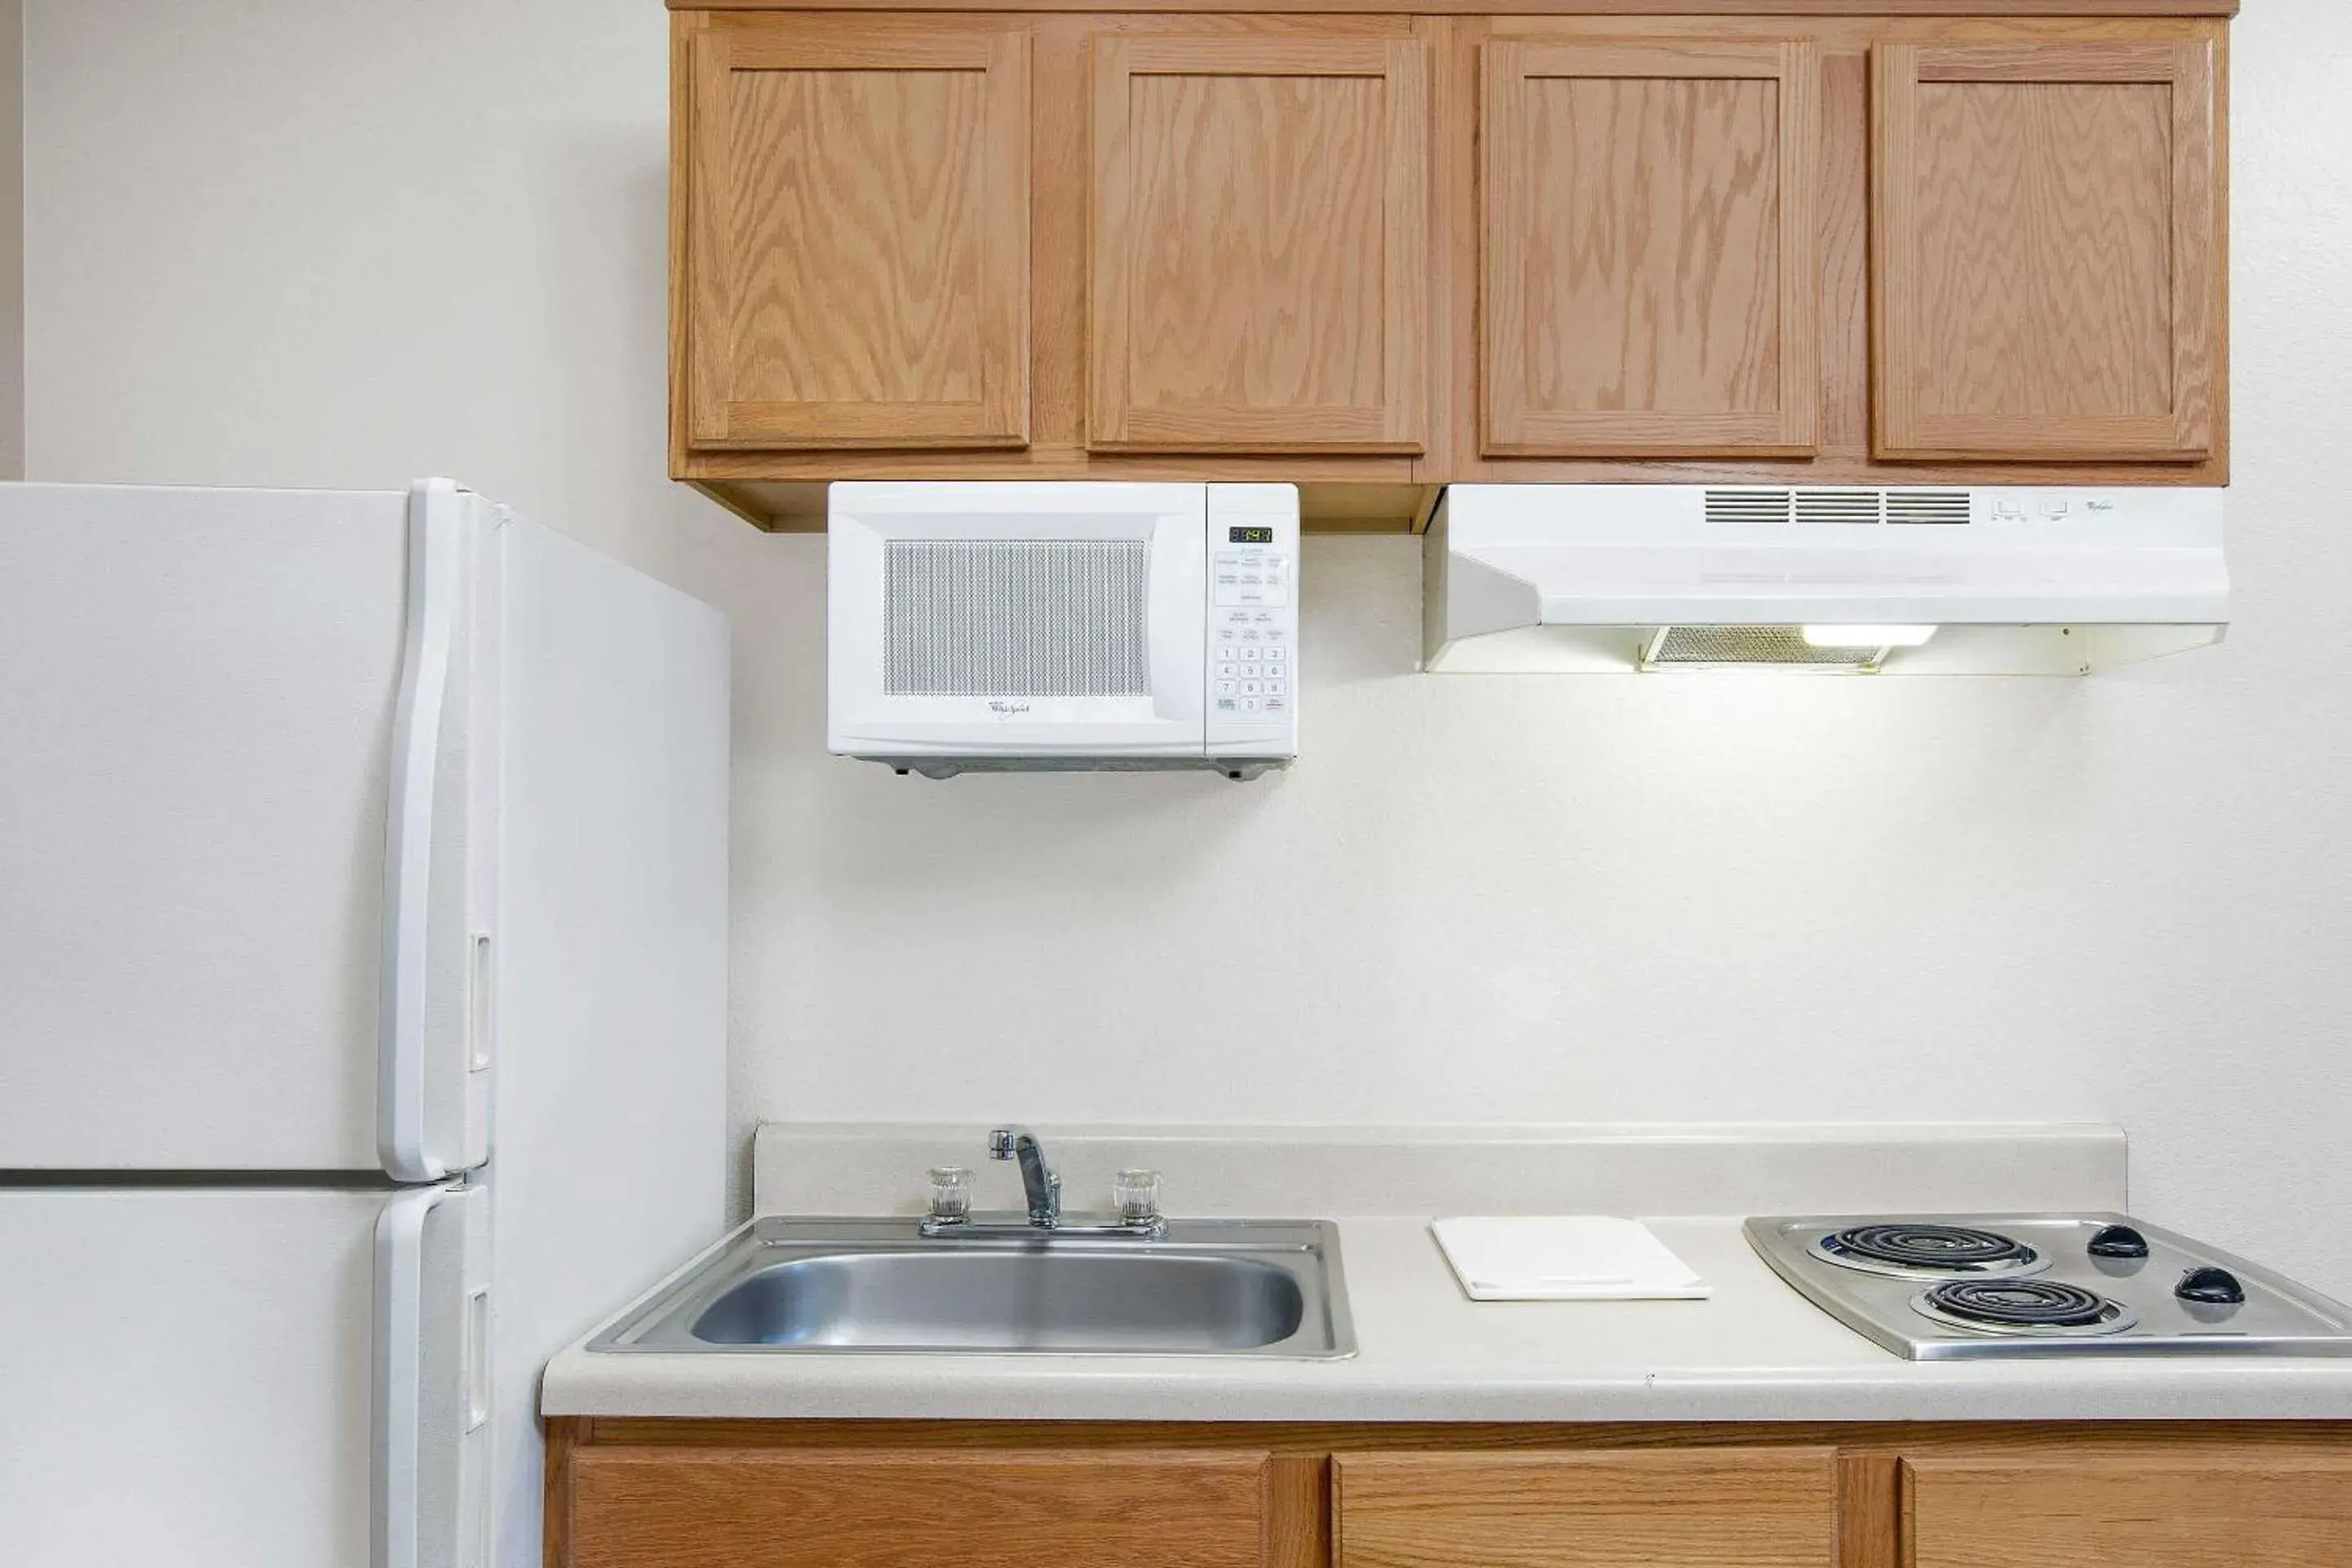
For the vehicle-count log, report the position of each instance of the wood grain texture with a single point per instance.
(2151, 1511)
(1528, 7)
(2007, 333)
(1729, 1507)
(1387, 489)
(685, 28)
(1870, 1507)
(555, 1494)
(1258, 241)
(2047, 252)
(843, 1509)
(1292, 1459)
(1844, 454)
(1298, 1512)
(858, 246)
(775, 484)
(1650, 230)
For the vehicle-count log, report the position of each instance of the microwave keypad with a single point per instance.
(1252, 672)
(1253, 644)
(1246, 577)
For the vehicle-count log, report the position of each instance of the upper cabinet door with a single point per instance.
(858, 237)
(2047, 252)
(1649, 232)
(1259, 244)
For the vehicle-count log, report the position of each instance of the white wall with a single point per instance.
(12, 238)
(334, 241)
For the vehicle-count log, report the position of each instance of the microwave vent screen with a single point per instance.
(1028, 618)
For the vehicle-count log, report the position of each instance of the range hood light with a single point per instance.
(1868, 636)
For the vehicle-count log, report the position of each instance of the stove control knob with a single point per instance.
(2210, 1288)
(2118, 1241)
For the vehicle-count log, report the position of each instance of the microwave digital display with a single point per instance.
(1249, 536)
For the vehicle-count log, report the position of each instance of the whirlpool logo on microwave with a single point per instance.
(1004, 709)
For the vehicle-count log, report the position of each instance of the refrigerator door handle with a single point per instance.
(395, 1519)
(430, 1503)
(437, 589)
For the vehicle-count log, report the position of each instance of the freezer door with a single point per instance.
(202, 693)
(186, 1374)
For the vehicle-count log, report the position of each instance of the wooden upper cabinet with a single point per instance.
(945, 1508)
(2047, 254)
(1258, 244)
(2176, 1511)
(1650, 286)
(1721, 1508)
(857, 254)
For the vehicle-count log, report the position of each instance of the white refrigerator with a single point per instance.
(363, 1010)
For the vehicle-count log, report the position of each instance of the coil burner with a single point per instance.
(2042, 1308)
(1925, 1250)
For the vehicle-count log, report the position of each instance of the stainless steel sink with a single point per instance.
(1247, 1288)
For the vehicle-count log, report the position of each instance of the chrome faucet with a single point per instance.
(1040, 1184)
(1138, 1217)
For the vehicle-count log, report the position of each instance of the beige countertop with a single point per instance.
(1755, 1352)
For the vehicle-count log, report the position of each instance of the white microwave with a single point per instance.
(1063, 627)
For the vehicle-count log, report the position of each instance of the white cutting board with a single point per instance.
(1565, 1258)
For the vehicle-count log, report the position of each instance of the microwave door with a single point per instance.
(1018, 620)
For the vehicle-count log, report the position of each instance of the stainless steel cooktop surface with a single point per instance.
(1951, 1287)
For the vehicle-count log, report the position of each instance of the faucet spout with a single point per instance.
(1039, 1182)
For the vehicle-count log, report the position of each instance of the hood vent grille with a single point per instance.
(1840, 506)
(1928, 506)
(1748, 506)
(1843, 505)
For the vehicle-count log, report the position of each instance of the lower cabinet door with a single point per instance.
(944, 1508)
(1724, 1507)
(2168, 1511)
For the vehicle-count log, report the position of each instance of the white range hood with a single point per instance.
(1910, 581)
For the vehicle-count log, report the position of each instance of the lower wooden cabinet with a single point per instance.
(625, 1493)
(730, 1508)
(1719, 1508)
(2153, 1510)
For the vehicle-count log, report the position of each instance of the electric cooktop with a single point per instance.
(1951, 1287)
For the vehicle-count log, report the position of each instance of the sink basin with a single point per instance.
(1250, 1287)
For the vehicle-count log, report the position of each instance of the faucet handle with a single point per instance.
(1001, 1143)
(950, 1194)
(1135, 1197)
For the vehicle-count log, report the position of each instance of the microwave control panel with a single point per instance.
(1253, 653)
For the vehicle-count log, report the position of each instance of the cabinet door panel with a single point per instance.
(859, 247)
(1650, 219)
(1258, 246)
(2178, 1510)
(2046, 253)
(1723, 1507)
(685, 1507)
